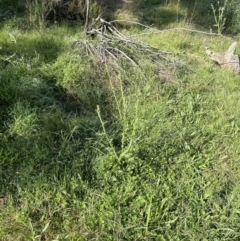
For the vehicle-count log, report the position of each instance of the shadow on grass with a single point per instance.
(46, 47)
(45, 129)
(46, 135)
(160, 13)
(160, 16)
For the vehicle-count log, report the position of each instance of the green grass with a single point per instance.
(88, 154)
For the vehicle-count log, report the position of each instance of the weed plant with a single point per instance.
(219, 17)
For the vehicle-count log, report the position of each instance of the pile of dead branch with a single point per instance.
(104, 42)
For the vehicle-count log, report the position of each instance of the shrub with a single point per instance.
(39, 11)
(233, 17)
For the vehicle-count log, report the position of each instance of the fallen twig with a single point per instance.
(181, 29)
(110, 46)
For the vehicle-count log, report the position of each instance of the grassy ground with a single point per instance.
(86, 154)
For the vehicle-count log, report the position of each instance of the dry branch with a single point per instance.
(108, 45)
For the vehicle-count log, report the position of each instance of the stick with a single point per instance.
(87, 16)
(182, 29)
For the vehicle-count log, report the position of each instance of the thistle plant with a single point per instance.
(219, 17)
